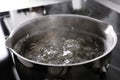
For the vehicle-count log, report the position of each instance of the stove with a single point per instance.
(96, 10)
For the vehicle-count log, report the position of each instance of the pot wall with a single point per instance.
(87, 71)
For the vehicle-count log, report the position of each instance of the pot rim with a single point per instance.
(48, 64)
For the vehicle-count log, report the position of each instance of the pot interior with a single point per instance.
(61, 29)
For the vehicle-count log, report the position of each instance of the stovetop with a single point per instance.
(99, 11)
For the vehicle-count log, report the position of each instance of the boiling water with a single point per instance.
(56, 47)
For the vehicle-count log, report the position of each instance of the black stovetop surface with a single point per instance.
(99, 11)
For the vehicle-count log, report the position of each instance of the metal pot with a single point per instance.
(29, 69)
